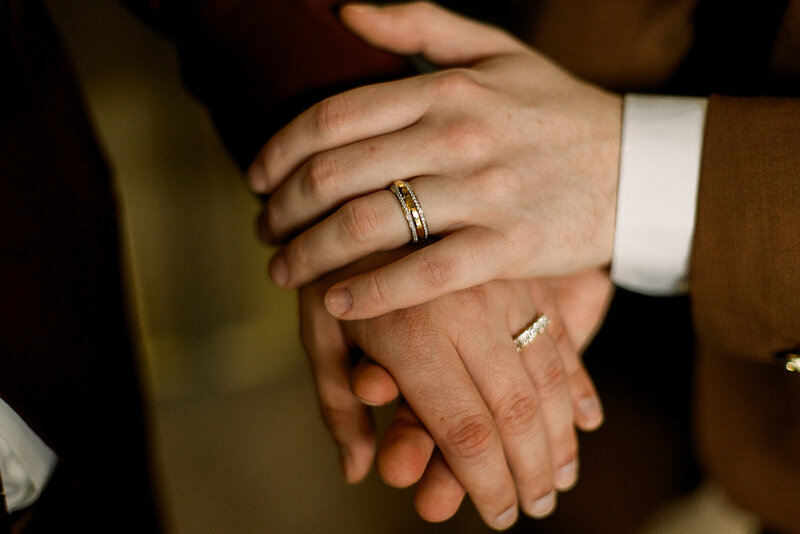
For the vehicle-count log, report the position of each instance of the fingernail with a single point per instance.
(338, 301)
(566, 476)
(279, 270)
(544, 506)
(362, 8)
(506, 519)
(590, 408)
(369, 402)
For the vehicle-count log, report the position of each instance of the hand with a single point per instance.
(514, 162)
(503, 421)
(584, 296)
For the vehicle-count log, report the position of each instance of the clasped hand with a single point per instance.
(502, 422)
(515, 163)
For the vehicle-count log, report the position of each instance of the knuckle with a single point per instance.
(272, 159)
(473, 299)
(436, 272)
(494, 182)
(424, 6)
(471, 436)
(516, 413)
(580, 384)
(454, 82)
(331, 115)
(321, 177)
(467, 137)
(359, 221)
(551, 381)
(334, 415)
(565, 447)
(412, 329)
(298, 256)
(415, 9)
(558, 333)
(378, 290)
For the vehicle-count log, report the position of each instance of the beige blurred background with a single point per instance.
(239, 444)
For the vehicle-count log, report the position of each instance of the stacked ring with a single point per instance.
(529, 334)
(411, 209)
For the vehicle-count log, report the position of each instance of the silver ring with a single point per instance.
(529, 334)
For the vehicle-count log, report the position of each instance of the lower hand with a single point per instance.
(503, 421)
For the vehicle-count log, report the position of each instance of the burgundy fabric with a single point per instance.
(258, 63)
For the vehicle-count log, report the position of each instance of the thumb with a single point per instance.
(443, 37)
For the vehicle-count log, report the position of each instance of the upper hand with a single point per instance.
(514, 162)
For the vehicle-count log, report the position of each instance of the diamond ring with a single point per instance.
(529, 334)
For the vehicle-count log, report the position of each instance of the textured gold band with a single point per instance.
(411, 209)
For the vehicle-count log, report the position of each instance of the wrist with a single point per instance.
(608, 165)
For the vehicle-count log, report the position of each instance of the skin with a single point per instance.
(515, 163)
(476, 416)
(514, 160)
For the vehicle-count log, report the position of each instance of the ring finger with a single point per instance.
(362, 226)
(329, 178)
(547, 371)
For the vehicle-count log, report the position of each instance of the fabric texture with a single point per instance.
(662, 137)
(25, 461)
(745, 287)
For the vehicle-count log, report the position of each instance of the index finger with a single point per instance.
(337, 121)
(348, 420)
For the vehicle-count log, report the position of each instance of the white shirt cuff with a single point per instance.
(26, 463)
(662, 140)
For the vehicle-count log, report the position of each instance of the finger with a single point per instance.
(583, 298)
(439, 493)
(362, 226)
(372, 384)
(491, 358)
(586, 406)
(458, 420)
(424, 28)
(404, 450)
(342, 119)
(348, 420)
(463, 259)
(330, 178)
(546, 369)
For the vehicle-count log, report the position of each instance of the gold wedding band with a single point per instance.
(529, 334)
(411, 209)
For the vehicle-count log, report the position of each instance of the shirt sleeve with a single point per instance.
(662, 139)
(25, 461)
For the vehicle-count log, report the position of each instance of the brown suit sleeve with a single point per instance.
(745, 290)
